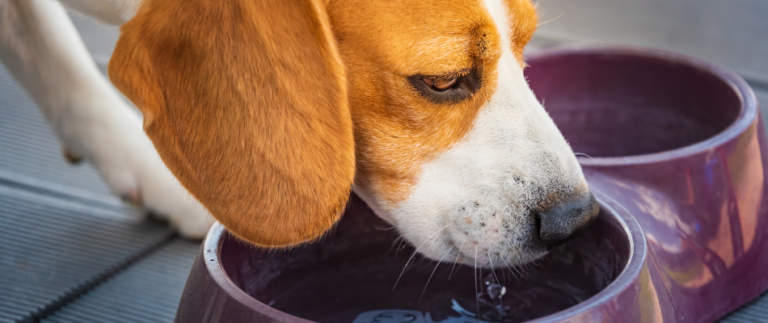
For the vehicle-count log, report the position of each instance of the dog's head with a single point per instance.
(268, 111)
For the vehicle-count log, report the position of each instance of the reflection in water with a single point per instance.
(405, 316)
(490, 304)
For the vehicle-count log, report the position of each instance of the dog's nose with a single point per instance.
(562, 221)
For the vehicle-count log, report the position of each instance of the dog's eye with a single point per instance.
(440, 84)
(451, 88)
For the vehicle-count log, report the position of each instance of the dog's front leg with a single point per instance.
(41, 48)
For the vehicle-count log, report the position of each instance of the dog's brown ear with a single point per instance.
(246, 103)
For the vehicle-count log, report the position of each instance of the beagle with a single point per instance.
(267, 113)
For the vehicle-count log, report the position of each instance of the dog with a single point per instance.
(265, 114)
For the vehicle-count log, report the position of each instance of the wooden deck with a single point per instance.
(91, 263)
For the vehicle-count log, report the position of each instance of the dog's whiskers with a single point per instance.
(399, 242)
(477, 296)
(457, 259)
(428, 280)
(525, 266)
(510, 268)
(551, 20)
(414, 254)
(493, 270)
(583, 154)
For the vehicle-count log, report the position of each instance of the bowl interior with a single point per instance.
(622, 103)
(352, 276)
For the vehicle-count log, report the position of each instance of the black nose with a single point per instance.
(563, 220)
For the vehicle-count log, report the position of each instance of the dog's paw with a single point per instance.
(103, 130)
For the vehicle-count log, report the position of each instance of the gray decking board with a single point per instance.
(149, 291)
(30, 154)
(733, 33)
(53, 250)
(754, 312)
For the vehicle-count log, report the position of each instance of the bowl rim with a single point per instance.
(211, 251)
(747, 111)
(638, 253)
(629, 274)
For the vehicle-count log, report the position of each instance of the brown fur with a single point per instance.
(246, 101)
(383, 42)
(523, 22)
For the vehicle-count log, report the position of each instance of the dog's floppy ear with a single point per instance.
(246, 103)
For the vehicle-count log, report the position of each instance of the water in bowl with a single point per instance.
(355, 276)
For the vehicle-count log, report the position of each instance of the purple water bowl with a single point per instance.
(671, 147)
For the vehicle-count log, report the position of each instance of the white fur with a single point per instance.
(41, 48)
(467, 200)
